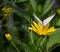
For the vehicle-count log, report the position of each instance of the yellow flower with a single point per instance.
(9, 9)
(8, 37)
(6, 11)
(7, 15)
(3, 9)
(40, 30)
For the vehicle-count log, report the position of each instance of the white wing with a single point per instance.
(37, 19)
(46, 21)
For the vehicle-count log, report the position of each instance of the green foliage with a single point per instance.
(48, 8)
(33, 4)
(21, 0)
(39, 9)
(54, 39)
(18, 21)
(58, 10)
(58, 23)
(47, 3)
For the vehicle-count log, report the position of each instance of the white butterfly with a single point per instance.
(46, 21)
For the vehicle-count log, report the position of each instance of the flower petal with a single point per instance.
(30, 28)
(36, 25)
(51, 29)
(40, 26)
(33, 28)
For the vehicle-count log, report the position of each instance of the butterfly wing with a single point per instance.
(46, 21)
(37, 19)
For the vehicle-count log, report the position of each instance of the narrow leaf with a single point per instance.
(33, 4)
(48, 8)
(46, 4)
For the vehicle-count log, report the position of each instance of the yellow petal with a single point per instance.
(51, 29)
(36, 25)
(40, 26)
(30, 28)
(33, 28)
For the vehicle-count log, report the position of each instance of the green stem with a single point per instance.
(40, 48)
(15, 46)
(43, 40)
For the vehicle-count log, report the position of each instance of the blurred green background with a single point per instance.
(21, 17)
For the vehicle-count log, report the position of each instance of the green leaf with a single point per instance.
(48, 8)
(27, 18)
(42, 44)
(58, 23)
(21, 0)
(39, 8)
(38, 41)
(58, 10)
(54, 38)
(13, 31)
(31, 36)
(24, 46)
(10, 49)
(33, 4)
(46, 4)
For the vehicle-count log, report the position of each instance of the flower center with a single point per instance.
(43, 32)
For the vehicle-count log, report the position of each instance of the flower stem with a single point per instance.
(43, 40)
(15, 46)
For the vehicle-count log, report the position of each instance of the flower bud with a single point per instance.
(3, 9)
(8, 37)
